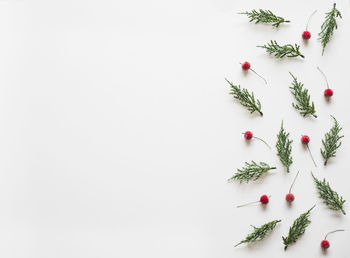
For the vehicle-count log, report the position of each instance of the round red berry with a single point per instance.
(328, 92)
(325, 244)
(290, 197)
(264, 199)
(305, 139)
(246, 65)
(248, 135)
(306, 34)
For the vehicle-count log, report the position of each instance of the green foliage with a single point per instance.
(284, 148)
(251, 171)
(329, 196)
(297, 229)
(331, 142)
(281, 51)
(328, 27)
(302, 98)
(259, 232)
(246, 99)
(265, 16)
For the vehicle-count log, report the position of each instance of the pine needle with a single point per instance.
(265, 16)
(302, 98)
(331, 142)
(259, 233)
(245, 98)
(284, 148)
(297, 229)
(252, 171)
(328, 195)
(280, 51)
(328, 27)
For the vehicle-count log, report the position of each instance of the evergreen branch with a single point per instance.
(251, 171)
(328, 27)
(331, 142)
(281, 51)
(329, 196)
(259, 233)
(284, 148)
(264, 16)
(297, 229)
(302, 98)
(246, 99)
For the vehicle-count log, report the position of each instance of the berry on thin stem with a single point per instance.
(290, 197)
(264, 199)
(327, 92)
(248, 135)
(325, 243)
(306, 34)
(246, 67)
(305, 140)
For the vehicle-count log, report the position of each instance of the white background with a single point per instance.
(117, 132)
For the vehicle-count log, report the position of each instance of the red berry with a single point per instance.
(246, 66)
(290, 197)
(248, 135)
(305, 139)
(328, 92)
(306, 34)
(264, 199)
(325, 244)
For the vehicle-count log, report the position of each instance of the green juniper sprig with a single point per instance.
(302, 98)
(265, 16)
(246, 99)
(281, 51)
(284, 147)
(329, 196)
(251, 171)
(328, 27)
(259, 233)
(297, 229)
(331, 142)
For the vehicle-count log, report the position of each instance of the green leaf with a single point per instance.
(331, 142)
(245, 98)
(328, 27)
(251, 171)
(284, 148)
(329, 196)
(259, 233)
(281, 51)
(302, 98)
(297, 229)
(264, 16)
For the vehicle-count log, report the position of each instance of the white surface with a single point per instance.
(118, 133)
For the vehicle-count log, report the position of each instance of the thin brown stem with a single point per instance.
(311, 155)
(249, 203)
(308, 20)
(290, 189)
(324, 76)
(262, 141)
(333, 232)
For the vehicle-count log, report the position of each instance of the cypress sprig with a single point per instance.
(265, 16)
(284, 147)
(251, 171)
(331, 142)
(259, 233)
(246, 99)
(297, 229)
(329, 196)
(302, 98)
(328, 27)
(281, 51)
